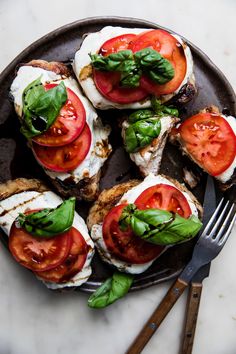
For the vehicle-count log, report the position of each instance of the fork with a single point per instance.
(210, 243)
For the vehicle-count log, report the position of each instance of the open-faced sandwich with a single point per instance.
(145, 133)
(209, 139)
(121, 67)
(133, 223)
(62, 128)
(46, 235)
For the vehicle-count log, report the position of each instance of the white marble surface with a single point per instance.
(35, 320)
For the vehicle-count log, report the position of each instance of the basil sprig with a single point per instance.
(49, 222)
(159, 226)
(145, 125)
(111, 290)
(132, 65)
(40, 107)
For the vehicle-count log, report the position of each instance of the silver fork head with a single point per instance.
(217, 230)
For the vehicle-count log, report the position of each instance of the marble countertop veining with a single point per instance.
(35, 320)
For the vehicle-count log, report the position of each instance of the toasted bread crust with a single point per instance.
(55, 66)
(86, 189)
(106, 200)
(19, 185)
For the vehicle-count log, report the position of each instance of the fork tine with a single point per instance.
(226, 235)
(218, 221)
(212, 219)
(227, 219)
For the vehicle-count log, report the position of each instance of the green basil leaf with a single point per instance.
(32, 92)
(41, 107)
(98, 61)
(125, 218)
(49, 222)
(150, 127)
(179, 230)
(122, 61)
(138, 226)
(140, 115)
(162, 110)
(111, 290)
(131, 78)
(131, 141)
(154, 217)
(159, 69)
(141, 133)
(159, 226)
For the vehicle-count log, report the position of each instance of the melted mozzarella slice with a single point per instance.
(99, 149)
(30, 200)
(148, 159)
(92, 43)
(130, 197)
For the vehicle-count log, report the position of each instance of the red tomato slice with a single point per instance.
(65, 158)
(72, 264)
(165, 197)
(169, 47)
(107, 83)
(125, 245)
(68, 125)
(37, 253)
(117, 44)
(210, 140)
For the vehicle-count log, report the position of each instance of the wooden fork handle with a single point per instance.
(157, 317)
(194, 297)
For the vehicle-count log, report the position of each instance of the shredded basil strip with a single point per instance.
(159, 226)
(111, 290)
(133, 65)
(40, 107)
(49, 222)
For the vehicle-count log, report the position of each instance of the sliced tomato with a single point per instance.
(165, 197)
(69, 123)
(38, 253)
(72, 264)
(107, 83)
(65, 158)
(169, 47)
(117, 44)
(126, 245)
(210, 140)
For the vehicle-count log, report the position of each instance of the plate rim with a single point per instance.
(129, 21)
(102, 19)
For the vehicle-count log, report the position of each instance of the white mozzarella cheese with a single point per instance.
(130, 197)
(30, 200)
(148, 159)
(99, 149)
(93, 42)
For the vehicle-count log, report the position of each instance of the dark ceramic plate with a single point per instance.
(17, 161)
